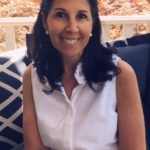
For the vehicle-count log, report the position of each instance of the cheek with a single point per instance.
(87, 33)
(53, 33)
(53, 28)
(87, 30)
(53, 38)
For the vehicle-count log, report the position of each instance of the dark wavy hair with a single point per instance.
(97, 61)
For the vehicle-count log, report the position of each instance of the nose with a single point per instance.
(72, 26)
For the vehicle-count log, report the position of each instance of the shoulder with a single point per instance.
(27, 74)
(127, 73)
(126, 83)
(27, 71)
(127, 90)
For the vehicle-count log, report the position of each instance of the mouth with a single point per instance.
(70, 41)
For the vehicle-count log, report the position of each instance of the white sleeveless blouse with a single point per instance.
(88, 121)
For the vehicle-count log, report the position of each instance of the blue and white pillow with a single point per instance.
(12, 66)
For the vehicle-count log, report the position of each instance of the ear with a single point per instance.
(44, 22)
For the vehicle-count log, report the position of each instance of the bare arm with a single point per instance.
(32, 140)
(131, 128)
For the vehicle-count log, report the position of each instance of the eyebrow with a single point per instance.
(60, 9)
(81, 11)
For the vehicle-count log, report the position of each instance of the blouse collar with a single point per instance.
(79, 75)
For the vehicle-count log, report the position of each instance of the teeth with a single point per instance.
(70, 41)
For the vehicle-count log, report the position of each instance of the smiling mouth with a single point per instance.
(70, 41)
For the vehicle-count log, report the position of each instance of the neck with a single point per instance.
(70, 65)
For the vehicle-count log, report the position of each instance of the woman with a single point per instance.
(78, 95)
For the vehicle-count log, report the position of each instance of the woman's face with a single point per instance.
(69, 24)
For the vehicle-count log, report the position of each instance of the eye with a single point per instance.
(61, 15)
(82, 16)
